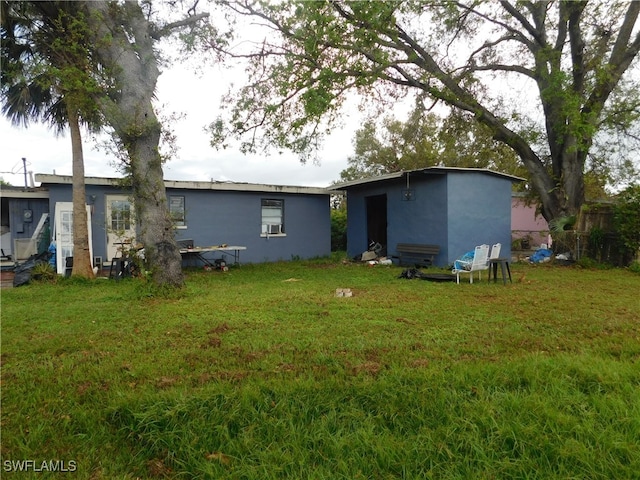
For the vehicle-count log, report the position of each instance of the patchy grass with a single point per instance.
(262, 372)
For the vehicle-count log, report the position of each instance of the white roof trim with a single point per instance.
(188, 185)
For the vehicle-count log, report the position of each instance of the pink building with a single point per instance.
(526, 224)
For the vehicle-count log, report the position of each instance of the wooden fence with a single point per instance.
(593, 236)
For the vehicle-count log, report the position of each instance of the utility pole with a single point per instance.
(24, 164)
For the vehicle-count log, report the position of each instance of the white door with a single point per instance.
(121, 228)
(64, 234)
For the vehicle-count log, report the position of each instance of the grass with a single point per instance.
(262, 372)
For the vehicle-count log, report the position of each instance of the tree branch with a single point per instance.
(167, 29)
(577, 45)
(524, 22)
(517, 35)
(619, 61)
(504, 68)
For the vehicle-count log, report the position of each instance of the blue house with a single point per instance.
(273, 222)
(453, 208)
(24, 222)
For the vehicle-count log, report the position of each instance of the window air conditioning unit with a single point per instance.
(273, 229)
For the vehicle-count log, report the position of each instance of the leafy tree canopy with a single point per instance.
(423, 140)
(554, 81)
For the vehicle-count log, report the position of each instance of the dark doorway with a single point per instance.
(377, 220)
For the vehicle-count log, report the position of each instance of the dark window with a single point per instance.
(176, 210)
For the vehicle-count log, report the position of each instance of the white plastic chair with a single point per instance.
(480, 262)
(495, 251)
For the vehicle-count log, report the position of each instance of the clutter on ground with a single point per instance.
(375, 255)
(22, 272)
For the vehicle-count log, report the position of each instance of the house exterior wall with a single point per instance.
(419, 220)
(20, 228)
(215, 217)
(96, 198)
(235, 218)
(456, 210)
(525, 223)
(479, 212)
(357, 241)
(13, 225)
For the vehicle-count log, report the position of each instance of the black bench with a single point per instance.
(419, 254)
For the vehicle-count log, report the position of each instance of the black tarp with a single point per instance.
(22, 272)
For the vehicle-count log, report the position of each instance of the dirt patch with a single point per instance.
(157, 468)
(217, 330)
(286, 367)
(166, 382)
(420, 363)
(368, 368)
(212, 342)
(233, 376)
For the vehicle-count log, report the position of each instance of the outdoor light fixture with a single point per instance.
(408, 194)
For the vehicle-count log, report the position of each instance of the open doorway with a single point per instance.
(377, 220)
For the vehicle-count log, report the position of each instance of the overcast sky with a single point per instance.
(196, 96)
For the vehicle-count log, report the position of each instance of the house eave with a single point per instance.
(362, 181)
(190, 185)
(427, 171)
(32, 192)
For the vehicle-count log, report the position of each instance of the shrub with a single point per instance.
(43, 272)
(626, 217)
(338, 230)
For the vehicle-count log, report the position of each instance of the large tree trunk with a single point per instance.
(129, 110)
(81, 252)
(156, 227)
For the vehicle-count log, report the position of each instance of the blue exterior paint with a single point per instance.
(19, 228)
(357, 241)
(480, 212)
(14, 201)
(96, 197)
(456, 209)
(419, 220)
(215, 217)
(234, 218)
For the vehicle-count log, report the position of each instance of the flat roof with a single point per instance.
(9, 191)
(44, 178)
(427, 171)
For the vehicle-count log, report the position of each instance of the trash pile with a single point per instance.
(542, 255)
(23, 271)
(375, 255)
(545, 255)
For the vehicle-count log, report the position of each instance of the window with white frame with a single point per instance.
(177, 212)
(272, 217)
(121, 215)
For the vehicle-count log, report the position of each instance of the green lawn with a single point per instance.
(262, 372)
